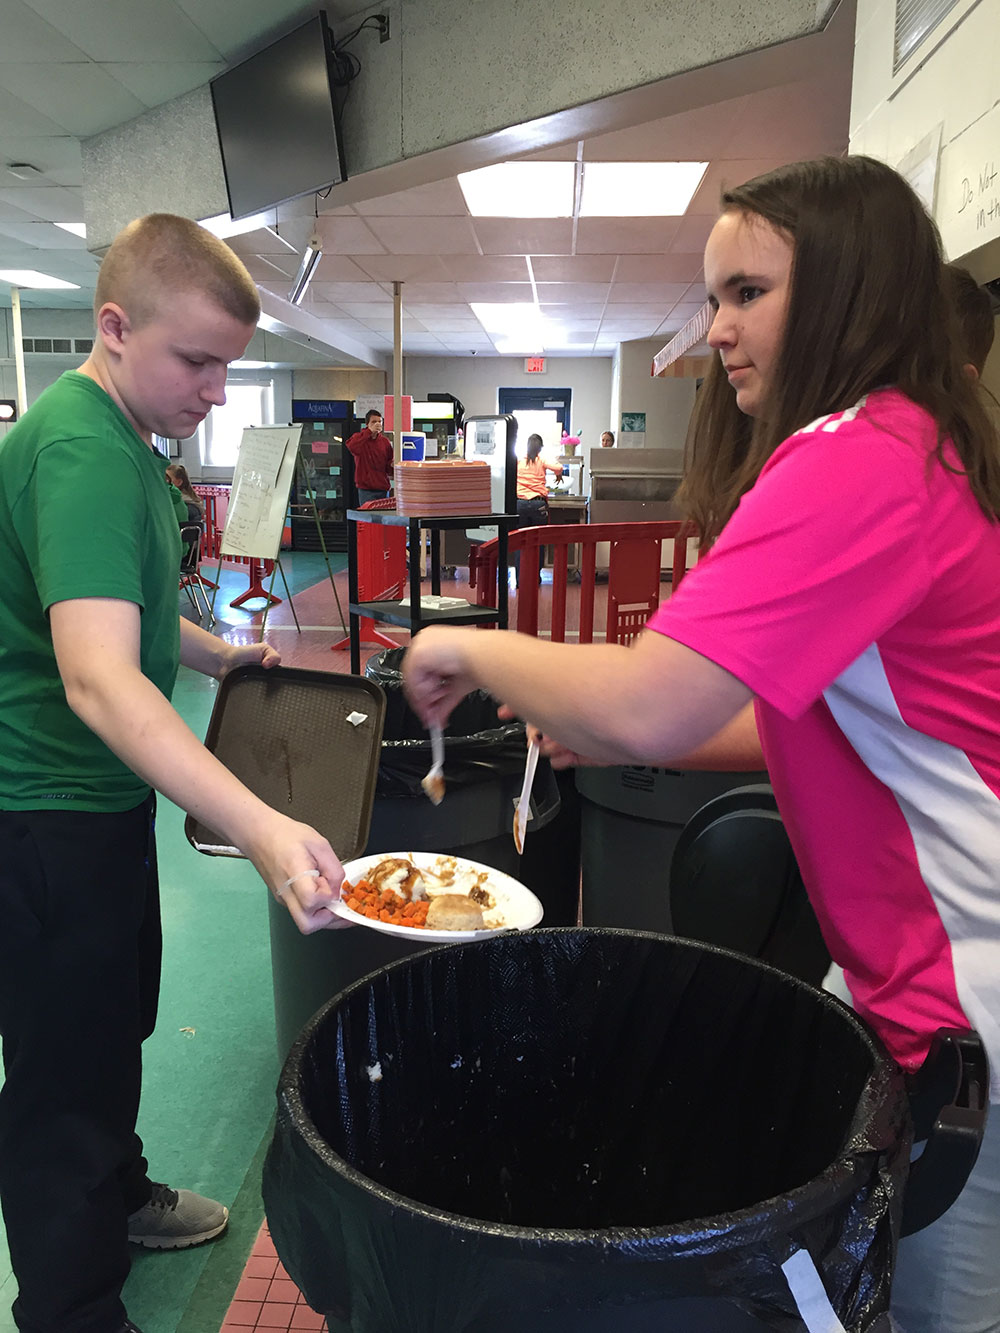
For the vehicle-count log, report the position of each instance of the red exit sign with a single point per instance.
(534, 365)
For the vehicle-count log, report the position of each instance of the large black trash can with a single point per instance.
(587, 1131)
(484, 768)
(631, 817)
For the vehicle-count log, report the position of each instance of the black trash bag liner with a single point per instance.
(514, 1134)
(478, 747)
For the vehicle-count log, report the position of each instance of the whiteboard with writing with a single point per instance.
(258, 502)
(968, 210)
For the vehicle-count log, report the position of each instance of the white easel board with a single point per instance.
(258, 502)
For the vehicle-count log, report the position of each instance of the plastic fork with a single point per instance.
(433, 780)
(521, 815)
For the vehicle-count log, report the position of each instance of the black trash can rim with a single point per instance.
(730, 1231)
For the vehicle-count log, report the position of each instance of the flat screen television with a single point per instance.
(279, 131)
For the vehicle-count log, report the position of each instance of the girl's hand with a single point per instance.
(558, 755)
(436, 672)
(300, 868)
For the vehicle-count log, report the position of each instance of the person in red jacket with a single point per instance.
(372, 459)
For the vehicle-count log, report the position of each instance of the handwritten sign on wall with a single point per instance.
(258, 501)
(969, 187)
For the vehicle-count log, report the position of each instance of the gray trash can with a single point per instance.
(630, 819)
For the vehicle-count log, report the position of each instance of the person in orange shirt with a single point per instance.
(533, 489)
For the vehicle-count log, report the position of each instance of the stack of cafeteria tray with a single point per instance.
(306, 742)
(438, 489)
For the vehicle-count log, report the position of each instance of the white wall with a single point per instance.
(956, 84)
(474, 380)
(667, 402)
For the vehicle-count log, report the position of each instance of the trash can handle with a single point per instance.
(949, 1096)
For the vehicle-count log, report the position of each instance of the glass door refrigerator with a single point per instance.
(320, 474)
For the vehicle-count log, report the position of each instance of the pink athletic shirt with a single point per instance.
(856, 591)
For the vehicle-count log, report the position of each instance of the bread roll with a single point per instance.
(453, 911)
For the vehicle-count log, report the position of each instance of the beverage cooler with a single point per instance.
(320, 473)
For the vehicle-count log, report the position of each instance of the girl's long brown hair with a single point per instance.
(868, 308)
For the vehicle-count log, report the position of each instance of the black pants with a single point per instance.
(533, 513)
(79, 980)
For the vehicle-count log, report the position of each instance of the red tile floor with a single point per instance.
(266, 1297)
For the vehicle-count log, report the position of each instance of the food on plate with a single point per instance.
(448, 895)
(454, 911)
(377, 904)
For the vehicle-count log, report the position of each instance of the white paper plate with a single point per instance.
(518, 905)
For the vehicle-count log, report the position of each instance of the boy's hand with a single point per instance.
(301, 869)
(435, 672)
(248, 654)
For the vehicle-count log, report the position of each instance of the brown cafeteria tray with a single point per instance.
(284, 733)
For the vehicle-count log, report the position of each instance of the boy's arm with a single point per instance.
(96, 643)
(213, 656)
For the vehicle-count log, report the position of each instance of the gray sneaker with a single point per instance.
(175, 1219)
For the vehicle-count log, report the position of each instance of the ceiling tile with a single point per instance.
(121, 30)
(573, 291)
(433, 293)
(28, 38)
(692, 233)
(668, 293)
(612, 236)
(344, 293)
(725, 175)
(691, 136)
(439, 199)
(573, 309)
(524, 236)
(348, 236)
(487, 268)
(403, 268)
(794, 120)
(157, 83)
(51, 202)
(495, 291)
(83, 99)
(573, 268)
(19, 118)
(425, 236)
(365, 310)
(255, 24)
(659, 268)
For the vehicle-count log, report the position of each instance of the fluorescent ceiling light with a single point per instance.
(222, 225)
(29, 277)
(520, 190)
(506, 316)
(311, 256)
(77, 228)
(639, 189)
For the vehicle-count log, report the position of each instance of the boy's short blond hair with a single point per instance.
(162, 254)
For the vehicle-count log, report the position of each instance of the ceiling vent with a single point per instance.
(915, 21)
(59, 346)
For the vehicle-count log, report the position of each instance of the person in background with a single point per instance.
(976, 322)
(177, 475)
(533, 490)
(608, 439)
(372, 453)
(845, 477)
(88, 658)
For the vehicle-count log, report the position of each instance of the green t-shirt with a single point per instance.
(72, 446)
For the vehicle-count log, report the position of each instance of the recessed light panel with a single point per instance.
(29, 277)
(75, 228)
(520, 190)
(639, 189)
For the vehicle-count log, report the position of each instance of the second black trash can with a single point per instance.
(588, 1131)
(484, 768)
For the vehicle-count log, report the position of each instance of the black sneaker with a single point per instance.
(176, 1219)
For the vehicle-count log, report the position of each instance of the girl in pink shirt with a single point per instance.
(846, 475)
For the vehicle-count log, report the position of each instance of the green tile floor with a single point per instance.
(211, 1065)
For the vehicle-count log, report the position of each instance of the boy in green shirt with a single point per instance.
(88, 659)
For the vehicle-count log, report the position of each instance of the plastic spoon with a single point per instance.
(433, 780)
(521, 815)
